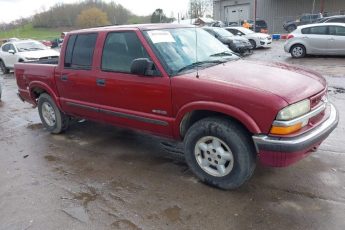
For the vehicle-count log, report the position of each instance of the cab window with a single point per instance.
(120, 49)
(79, 51)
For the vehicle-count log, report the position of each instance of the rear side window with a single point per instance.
(318, 30)
(79, 51)
(337, 30)
(341, 20)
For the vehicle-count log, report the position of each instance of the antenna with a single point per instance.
(196, 52)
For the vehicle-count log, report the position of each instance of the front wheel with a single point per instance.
(52, 118)
(3, 68)
(220, 152)
(253, 43)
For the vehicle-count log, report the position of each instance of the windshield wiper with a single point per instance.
(222, 54)
(198, 63)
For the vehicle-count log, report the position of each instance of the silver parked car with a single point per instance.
(317, 39)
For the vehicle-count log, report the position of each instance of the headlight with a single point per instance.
(237, 42)
(285, 122)
(295, 110)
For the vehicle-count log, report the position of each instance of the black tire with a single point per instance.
(298, 51)
(233, 136)
(3, 68)
(291, 28)
(61, 120)
(253, 43)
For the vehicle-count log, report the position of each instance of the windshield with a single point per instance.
(176, 48)
(223, 32)
(245, 30)
(30, 46)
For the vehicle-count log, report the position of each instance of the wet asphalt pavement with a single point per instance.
(99, 177)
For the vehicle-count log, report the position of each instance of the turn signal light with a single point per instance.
(280, 130)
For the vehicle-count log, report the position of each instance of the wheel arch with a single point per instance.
(37, 88)
(298, 43)
(196, 111)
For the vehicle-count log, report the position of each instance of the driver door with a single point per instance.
(130, 100)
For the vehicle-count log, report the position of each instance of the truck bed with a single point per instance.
(30, 74)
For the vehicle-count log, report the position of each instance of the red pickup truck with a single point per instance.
(180, 82)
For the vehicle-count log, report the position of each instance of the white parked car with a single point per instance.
(24, 51)
(256, 39)
(317, 39)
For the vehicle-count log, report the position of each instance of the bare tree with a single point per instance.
(198, 8)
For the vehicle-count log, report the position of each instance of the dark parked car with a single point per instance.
(237, 44)
(260, 25)
(303, 20)
(336, 18)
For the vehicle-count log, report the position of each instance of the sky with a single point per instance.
(14, 9)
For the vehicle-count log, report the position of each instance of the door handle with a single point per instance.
(100, 82)
(305, 37)
(64, 78)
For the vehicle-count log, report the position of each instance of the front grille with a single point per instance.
(316, 100)
(49, 57)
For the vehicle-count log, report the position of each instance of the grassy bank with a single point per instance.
(28, 31)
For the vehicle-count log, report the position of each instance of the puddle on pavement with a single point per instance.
(173, 213)
(85, 197)
(120, 185)
(337, 90)
(51, 158)
(35, 126)
(125, 224)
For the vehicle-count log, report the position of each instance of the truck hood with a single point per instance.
(291, 83)
(39, 53)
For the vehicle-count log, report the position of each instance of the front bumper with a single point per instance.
(265, 43)
(284, 151)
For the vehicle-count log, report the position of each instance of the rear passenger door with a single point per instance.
(317, 40)
(337, 38)
(130, 100)
(76, 82)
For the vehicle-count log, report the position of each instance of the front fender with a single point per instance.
(229, 110)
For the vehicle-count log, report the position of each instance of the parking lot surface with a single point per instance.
(96, 176)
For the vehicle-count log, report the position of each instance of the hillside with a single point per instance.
(28, 31)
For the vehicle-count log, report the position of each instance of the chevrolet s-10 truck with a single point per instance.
(180, 82)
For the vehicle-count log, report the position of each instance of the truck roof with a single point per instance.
(134, 26)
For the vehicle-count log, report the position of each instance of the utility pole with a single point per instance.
(255, 12)
(322, 6)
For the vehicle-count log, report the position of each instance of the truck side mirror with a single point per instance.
(142, 66)
(11, 51)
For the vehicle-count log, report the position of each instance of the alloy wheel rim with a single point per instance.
(48, 114)
(214, 156)
(297, 51)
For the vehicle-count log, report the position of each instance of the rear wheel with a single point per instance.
(298, 51)
(52, 118)
(220, 152)
(3, 68)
